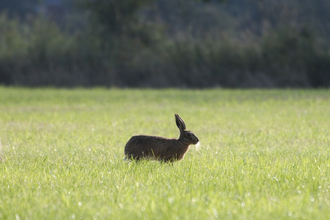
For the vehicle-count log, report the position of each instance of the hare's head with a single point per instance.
(186, 136)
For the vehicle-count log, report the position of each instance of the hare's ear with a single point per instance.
(180, 123)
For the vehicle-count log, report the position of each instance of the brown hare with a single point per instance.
(159, 148)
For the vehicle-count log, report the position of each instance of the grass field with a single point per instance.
(263, 154)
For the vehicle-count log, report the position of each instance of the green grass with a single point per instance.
(263, 154)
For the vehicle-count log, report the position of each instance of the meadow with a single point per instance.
(263, 154)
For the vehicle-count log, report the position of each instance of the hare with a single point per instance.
(159, 148)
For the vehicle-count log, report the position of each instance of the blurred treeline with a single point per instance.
(165, 43)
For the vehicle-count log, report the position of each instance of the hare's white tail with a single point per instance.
(198, 146)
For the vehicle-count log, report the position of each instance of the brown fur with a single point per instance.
(159, 148)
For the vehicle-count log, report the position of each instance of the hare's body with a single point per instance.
(159, 148)
(153, 147)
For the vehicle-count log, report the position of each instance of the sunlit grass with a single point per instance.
(262, 154)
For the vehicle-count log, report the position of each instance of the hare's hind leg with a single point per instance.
(131, 157)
